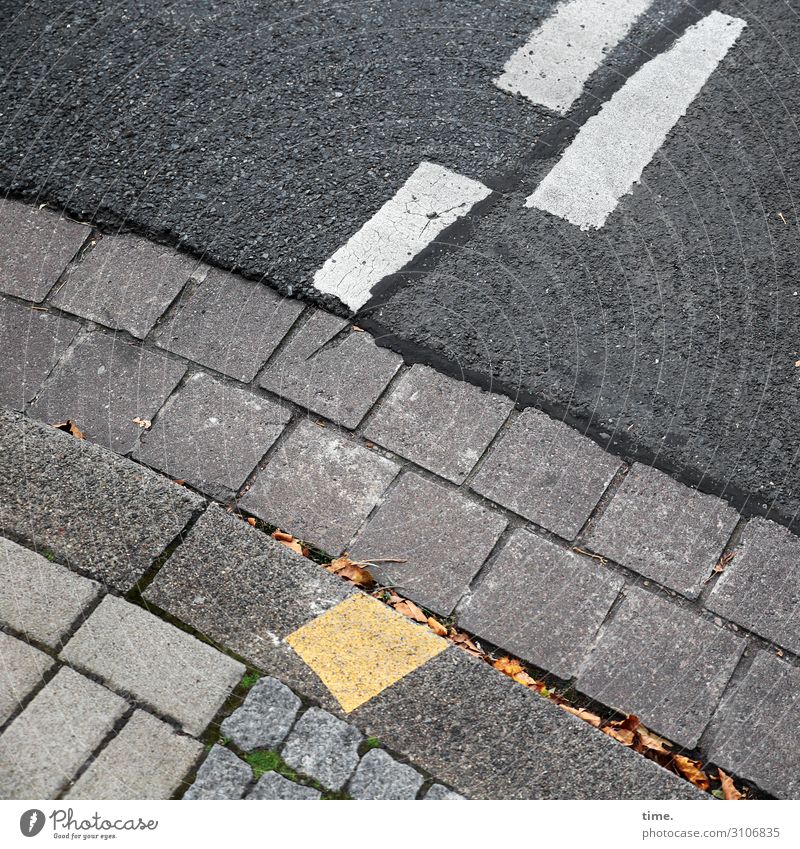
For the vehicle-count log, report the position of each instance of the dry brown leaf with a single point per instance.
(729, 790)
(527, 680)
(508, 666)
(723, 562)
(344, 567)
(586, 715)
(621, 735)
(464, 642)
(182, 482)
(408, 608)
(649, 742)
(71, 428)
(691, 771)
(436, 626)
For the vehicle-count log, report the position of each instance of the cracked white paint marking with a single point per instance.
(430, 201)
(613, 148)
(552, 67)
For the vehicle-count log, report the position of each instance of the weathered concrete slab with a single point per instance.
(21, 669)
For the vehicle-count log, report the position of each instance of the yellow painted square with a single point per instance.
(361, 647)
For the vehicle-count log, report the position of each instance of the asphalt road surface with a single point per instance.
(589, 203)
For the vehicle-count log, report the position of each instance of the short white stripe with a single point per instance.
(613, 148)
(552, 67)
(430, 201)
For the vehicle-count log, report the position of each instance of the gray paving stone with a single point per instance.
(442, 424)
(272, 786)
(103, 384)
(319, 487)
(546, 472)
(663, 530)
(39, 598)
(541, 602)
(380, 776)
(51, 739)
(323, 747)
(95, 511)
(212, 435)
(665, 664)
(147, 759)
(442, 536)
(167, 669)
(337, 378)
(755, 733)
(455, 714)
(125, 283)
(31, 341)
(35, 247)
(222, 775)
(216, 583)
(440, 793)
(21, 669)
(760, 587)
(229, 324)
(266, 716)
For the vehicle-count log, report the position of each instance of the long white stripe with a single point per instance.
(552, 67)
(430, 201)
(613, 148)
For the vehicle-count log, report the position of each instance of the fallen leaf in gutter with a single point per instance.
(586, 715)
(729, 790)
(436, 626)
(288, 540)
(691, 771)
(408, 608)
(71, 428)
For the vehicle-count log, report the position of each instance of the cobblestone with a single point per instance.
(337, 378)
(35, 247)
(546, 472)
(439, 423)
(222, 775)
(440, 536)
(380, 776)
(147, 759)
(541, 602)
(440, 793)
(319, 487)
(646, 656)
(125, 283)
(276, 787)
(21, 669)
(266, 716)
(103, 384)
(167, 669)
(212, 435)
(229, 324)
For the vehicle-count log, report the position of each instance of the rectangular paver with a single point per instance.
(103, 384)
(339, 378)
(39, 598)
(755, 733)
(21, 669)
(212, 435)
(546, 472)
(229, 324)
(147, 759)
(95, 511)
(51, 739)
(125, 283)
(35, 247)
(442, 424)
(665, 664)
(441, 537)
(541, 602)
(319, 486)
(32, 342)
(168, 669)
(760, 587)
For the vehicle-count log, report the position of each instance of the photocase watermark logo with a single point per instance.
(31, 822)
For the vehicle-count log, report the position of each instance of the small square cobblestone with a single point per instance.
(440, 793)
(755, 733)
(274, 787)
(39, 598)
(339, 378)
(380, 776)
(666, 665)
(103, 384)
(541, 602)
(229, 324)
(35, 247)
(760, 587)
(437, 422)
(663, 530)
(222, 775)
(546, 472)
(21, 669)
(166, 668)
(125, 283)
(265, 717)
(32, 342)
(212, 435)
(319, 487)
(441, 537)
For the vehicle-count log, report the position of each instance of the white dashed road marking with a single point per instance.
(430, 201)
(613, 148)
(552, 67)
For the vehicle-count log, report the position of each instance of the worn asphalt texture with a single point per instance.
(263, 135)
